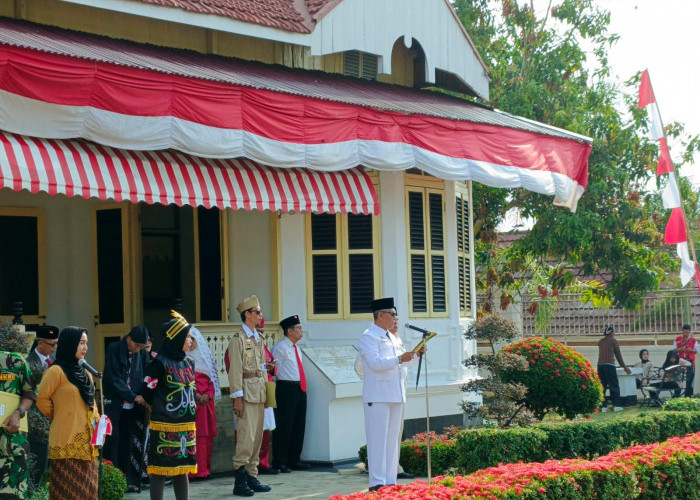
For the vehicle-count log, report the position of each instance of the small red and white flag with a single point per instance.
(104, 428)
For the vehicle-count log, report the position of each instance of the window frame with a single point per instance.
(426, 185)
(40, 215)
(223, 252)
(342, 253)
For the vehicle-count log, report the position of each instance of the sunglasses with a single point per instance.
(52, 344)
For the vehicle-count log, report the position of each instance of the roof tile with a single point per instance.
(280, 14)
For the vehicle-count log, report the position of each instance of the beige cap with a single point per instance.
(248, 303)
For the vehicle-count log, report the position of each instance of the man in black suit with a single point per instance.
(40, 357)
(125, 363)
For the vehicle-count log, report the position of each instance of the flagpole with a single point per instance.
(689, 238)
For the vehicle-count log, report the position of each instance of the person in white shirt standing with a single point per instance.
(290, 414)
(383, 393)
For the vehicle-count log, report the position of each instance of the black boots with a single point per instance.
(256, 486)
(245, 485)
(240, 485)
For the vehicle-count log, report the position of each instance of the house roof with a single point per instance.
(276, 78)
(296, 16)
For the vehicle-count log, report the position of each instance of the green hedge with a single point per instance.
(475, 449)
(669, 470)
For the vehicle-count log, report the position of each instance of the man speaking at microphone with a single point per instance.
(383, 393)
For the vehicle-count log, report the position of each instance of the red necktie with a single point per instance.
(302, 375)
(48, 362)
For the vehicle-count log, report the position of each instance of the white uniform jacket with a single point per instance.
(380, 365)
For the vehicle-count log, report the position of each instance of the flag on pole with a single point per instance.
(675, 233)
(646, 93)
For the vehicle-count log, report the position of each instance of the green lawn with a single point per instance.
(627, 414)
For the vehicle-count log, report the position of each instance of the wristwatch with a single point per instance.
(21, 412)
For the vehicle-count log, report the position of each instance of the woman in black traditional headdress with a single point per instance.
(67, 398)
(170, 390)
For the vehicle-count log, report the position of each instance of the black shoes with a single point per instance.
(300, 466)
(376, 487)
(405, 475)
(240, 485)
(268, 471)
(256, 485)
(284, 469)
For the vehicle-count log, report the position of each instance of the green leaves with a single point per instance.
(552, 67)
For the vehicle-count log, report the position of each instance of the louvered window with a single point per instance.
(427, 259)
(360, 64)
(464, 250)
(343, 264)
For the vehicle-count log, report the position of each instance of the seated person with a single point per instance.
(671, 372)
(647, 367)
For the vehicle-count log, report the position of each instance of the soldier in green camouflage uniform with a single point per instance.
(15, 378)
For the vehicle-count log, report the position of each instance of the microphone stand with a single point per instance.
(427, 404)
(99, 446)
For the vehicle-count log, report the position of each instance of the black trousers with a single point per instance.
(290, 422)
(40, 449)
(608, 377)
(118, 446)
(689, 381)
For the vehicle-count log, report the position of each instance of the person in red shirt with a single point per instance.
(687, 348)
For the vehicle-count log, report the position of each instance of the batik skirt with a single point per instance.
(71, 478)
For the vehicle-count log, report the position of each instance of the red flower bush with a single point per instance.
(560, 379)
(659, 471)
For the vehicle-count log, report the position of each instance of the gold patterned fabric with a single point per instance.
(79, 447)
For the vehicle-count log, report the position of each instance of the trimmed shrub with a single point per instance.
(113, 483)
(659, 471)
(474, 449)
(682, 404)
(560, 379)
(480, 448)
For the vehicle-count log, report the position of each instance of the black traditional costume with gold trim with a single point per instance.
(170, 392)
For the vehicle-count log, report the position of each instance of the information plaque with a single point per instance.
(337, 363)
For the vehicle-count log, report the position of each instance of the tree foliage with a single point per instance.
(551, 66)
(503, 401)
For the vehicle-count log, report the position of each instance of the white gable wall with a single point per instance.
(366, 25)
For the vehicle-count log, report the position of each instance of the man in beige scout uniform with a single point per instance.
(247, 384)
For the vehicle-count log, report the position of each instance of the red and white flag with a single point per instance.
(103, 428)
(675, 233)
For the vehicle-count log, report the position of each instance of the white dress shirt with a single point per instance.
(285, 355)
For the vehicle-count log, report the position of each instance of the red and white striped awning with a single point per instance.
(86, 169)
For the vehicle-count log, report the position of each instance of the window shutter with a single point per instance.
(325, 284)
(463, 249)
(415, 220)
(419, 291)
(436, 228)
(361, 283)
(323, 232)
(438, 275)
(359, 232)
(351, 63)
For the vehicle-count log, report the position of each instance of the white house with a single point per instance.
(155, 151)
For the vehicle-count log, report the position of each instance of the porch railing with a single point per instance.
(661, 315)
(218, 336)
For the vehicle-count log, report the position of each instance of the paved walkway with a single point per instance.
(315, 483)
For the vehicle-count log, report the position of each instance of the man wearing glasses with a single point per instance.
(383, 393)
(40, 357)
(125, 366)
(247, 378)
(290, 414)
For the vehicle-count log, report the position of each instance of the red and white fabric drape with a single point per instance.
(676, 228)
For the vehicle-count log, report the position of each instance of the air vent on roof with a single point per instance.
(360, 65)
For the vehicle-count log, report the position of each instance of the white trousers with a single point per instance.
(382, 427)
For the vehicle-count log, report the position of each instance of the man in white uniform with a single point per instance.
(383, 393)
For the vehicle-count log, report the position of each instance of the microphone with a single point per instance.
(89, 368)
(424, 332)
